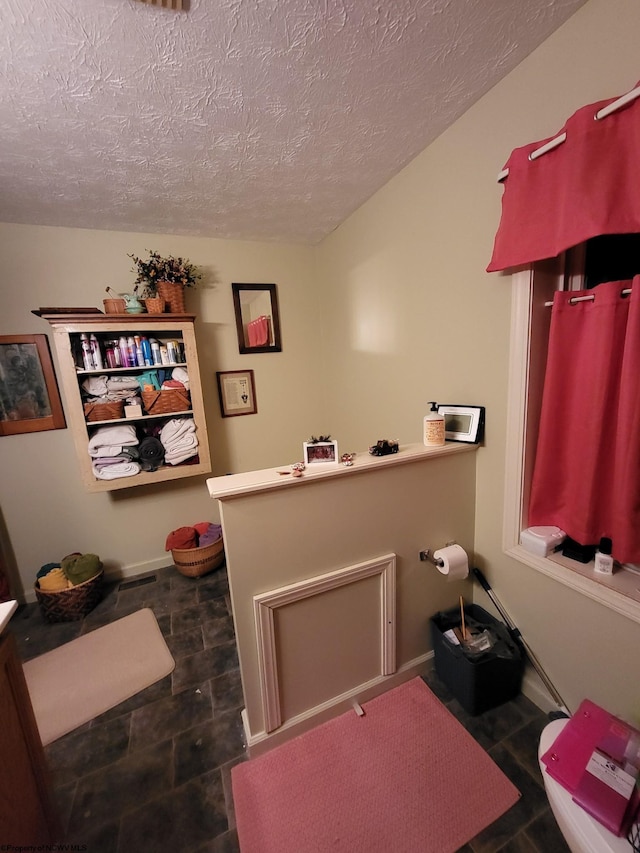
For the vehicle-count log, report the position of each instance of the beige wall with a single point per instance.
(333, 524)
(46, 512)
(409, 265)
(399, 311)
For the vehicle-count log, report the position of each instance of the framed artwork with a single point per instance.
(257, 317)
(463, 423)
(320, 452)
(237, 393)
(29, 396)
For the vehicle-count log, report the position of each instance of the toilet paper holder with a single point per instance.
(427, 555)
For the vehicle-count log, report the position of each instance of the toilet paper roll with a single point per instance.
(452, 562)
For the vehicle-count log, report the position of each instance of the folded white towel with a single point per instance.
(115, 470)
(119, 383)
(180, 375)
(95, 386)
(178, 437)
(178, 455)
(117, 436)
(175, 429)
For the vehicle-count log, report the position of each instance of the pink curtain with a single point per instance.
(585, 187)
(587, 469)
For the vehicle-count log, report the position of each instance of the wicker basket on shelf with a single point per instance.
(173, 294)
(69, 605)
(104, 411)
(166, 401)
(194, 562)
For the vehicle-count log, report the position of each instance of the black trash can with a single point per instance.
(478, 680)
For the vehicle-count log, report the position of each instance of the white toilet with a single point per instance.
(582, 833)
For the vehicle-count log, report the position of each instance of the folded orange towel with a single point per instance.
(183, 537)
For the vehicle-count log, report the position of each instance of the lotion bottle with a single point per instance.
(433, 431)
(604, 560)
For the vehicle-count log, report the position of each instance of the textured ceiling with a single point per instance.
(253, 119)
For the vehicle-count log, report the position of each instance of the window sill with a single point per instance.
(620, 592)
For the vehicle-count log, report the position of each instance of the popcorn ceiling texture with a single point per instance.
(252, 119)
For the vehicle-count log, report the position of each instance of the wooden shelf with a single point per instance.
(66, 331)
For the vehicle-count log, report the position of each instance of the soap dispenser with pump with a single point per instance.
(433, 430)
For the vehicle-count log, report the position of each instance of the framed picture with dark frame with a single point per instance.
(463, 423)
(29, 396)
(257, 318)
(237, 393)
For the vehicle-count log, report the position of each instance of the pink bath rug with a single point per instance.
(405, 777)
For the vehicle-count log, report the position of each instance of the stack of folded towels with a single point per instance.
(72, 570)
(114, 452)
(106, 389)
(199, 536)
(178, 437)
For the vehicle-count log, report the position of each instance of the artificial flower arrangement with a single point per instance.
(156, 268)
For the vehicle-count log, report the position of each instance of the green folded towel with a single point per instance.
(79, 568)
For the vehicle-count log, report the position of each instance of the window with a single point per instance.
(532, 287)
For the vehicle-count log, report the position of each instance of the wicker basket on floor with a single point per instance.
(194, 562)
(166, 401)
(69, 605)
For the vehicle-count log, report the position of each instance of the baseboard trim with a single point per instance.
(534, 690)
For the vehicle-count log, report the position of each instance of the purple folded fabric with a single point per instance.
(211, 535)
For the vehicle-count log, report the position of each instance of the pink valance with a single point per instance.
(587, 186)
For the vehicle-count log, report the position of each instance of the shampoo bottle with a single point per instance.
(87, 357)
(604, 560)
(433, 432)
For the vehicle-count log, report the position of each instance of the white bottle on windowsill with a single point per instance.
(604, 560)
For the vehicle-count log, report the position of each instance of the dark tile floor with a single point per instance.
(154, 773)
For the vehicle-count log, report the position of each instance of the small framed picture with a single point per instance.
(237, 393)
(320, 452)
(463, 423)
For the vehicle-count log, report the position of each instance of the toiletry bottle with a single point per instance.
(604, 560)
(87, 357)
(146, 351)
(124, 352)
(95, 352)
(139, 353)
(433, 433)
(110, 354)
(155, 351)
(131, 352)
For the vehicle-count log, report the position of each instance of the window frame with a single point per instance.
(531, 287)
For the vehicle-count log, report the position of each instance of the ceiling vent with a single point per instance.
(176, 5)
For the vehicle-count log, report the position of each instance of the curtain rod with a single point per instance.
(620, 102)
(590, 298)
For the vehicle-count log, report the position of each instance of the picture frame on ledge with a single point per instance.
(320, 452)
(463, 423)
